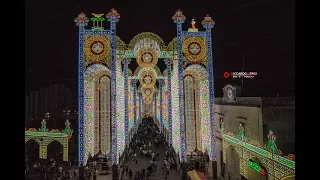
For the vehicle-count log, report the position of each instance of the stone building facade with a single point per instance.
(257, 115)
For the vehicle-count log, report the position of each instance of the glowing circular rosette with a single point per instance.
(194, 49)
(147, 57)
(147, 77)
(147, 90)
(96, 48)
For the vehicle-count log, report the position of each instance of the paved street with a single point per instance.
(143, 164)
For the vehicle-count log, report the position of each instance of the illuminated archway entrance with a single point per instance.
(97, 109)
(55, 150)
(32, 150)
(256, 171)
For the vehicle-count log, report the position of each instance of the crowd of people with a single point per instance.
(49, 169)
(146, 145)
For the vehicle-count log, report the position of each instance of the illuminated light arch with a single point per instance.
(149, 35)
(152, 70)
(129, 72)
(121, 45)
(165, 72)
(93, 76)
(172, 47)
(197, 122)
(189, 110)
(157, 70)
(198, 70)
(92, 70)
(136, 72)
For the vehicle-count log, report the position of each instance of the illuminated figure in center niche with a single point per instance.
(193, 23)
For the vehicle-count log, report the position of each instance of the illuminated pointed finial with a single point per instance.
(81, 20)
(114, 13)
(209, 21)
(177, 15)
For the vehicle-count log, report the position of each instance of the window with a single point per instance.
(221, 123)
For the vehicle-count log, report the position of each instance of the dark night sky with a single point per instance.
(261, 31)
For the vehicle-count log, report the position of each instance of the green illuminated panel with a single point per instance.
(49, 134)
(261, 151)
(130, 54)
(288, 162)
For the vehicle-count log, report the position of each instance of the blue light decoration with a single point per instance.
(155, 106)
(161, 105)
(113, 17)
(134, 85)
(208, 24)
(140, 104)
(179, 19)
(126, 95)
(168, 63)
(81, 21)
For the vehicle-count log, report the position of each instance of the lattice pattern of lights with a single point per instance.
(157, 106)
(176, 141)
(189, 114)
(205, 116)
(120, 111)
(130, 106)
(88, 119)
(197, 115)
(96, 120)
(105, 114)
(277, 167)
(137, 106)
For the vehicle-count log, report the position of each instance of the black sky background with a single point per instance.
(261, 31)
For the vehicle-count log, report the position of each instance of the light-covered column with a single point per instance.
(161, 83)
(155, 106)
(208, 24)
(179, 19)
(134, 85)
(81, 21)
(168, 63)
(113, 17)
(140, 104)
(126, 103)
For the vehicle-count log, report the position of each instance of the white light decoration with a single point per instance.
(176, 139)
(205, 116)
(105, 114)
(189, 114)
(120, 111)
